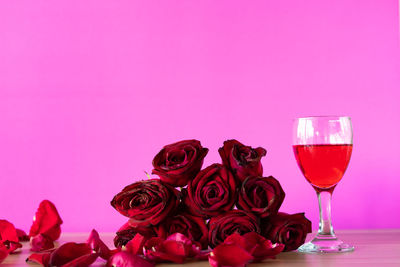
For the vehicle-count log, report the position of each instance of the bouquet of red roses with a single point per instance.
(227, 212)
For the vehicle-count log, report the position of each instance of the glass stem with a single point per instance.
(325, 222)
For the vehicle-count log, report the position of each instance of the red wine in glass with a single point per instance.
(322, 146)
(323, 165)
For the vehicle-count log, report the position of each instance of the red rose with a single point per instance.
(191, 226)
(288, 229)
(233, 221)
(178, 163)
(261, 195)
(243, 161)
(146, 202)
(211, 192)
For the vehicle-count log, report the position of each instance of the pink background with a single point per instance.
(91, 90)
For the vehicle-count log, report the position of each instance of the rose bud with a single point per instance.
(191, 226)
(46, 221)
(233, 221)
(243, 161)
(262, 196)
(128, 232)
(178, 163)
(288, 229)
(146, 202)
(211, 192)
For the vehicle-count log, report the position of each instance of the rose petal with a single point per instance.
(8, 231)
(81, 253)
(46, 221)
(41, 242)
(262, 247)
(98, 245)
(237, 239)
(3, 252)
(160, 250)
(135, 245)
(126, 259)
(22, 236)
(229, 255)
(12, 246)
(40, 258)
(82, 261)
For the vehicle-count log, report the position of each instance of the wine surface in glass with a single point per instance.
(323, 165)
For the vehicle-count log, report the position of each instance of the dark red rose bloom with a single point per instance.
(191, 226)
(234, 221)
(126, 259)
(212, 191)
(41, 242)
(128, 232)
(288, 229)
(262, 196)
(178, 163)
(176, 248)
(146, 202)
(47, 221)
(243, 161)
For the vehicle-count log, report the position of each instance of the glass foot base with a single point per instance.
(325, 245)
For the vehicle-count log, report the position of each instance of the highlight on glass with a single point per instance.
(322, 146)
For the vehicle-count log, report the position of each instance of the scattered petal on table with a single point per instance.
(22, 236)
(126, 259)
(229, 255)
(46, 221)
(78, 253)
(98, 245)
(41, 242)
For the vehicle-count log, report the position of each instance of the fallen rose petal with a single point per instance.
(40, 258)
(135, 245)
(3, 252)
(237, 239)
(229, 255)
(82, 261)
(8, 232)
(79, 253)
(12, 246)
(46, 221)
(22, 236)
(262, 247)
(98, 245)
(160, 250)
(41, 242)
(126, 259)
(191, 248)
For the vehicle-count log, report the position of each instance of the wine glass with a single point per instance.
(322, 146)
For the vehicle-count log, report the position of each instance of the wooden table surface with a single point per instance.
(373, 248)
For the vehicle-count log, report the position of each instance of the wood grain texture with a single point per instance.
(373, 248)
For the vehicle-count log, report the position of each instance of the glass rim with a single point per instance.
(323, 116)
